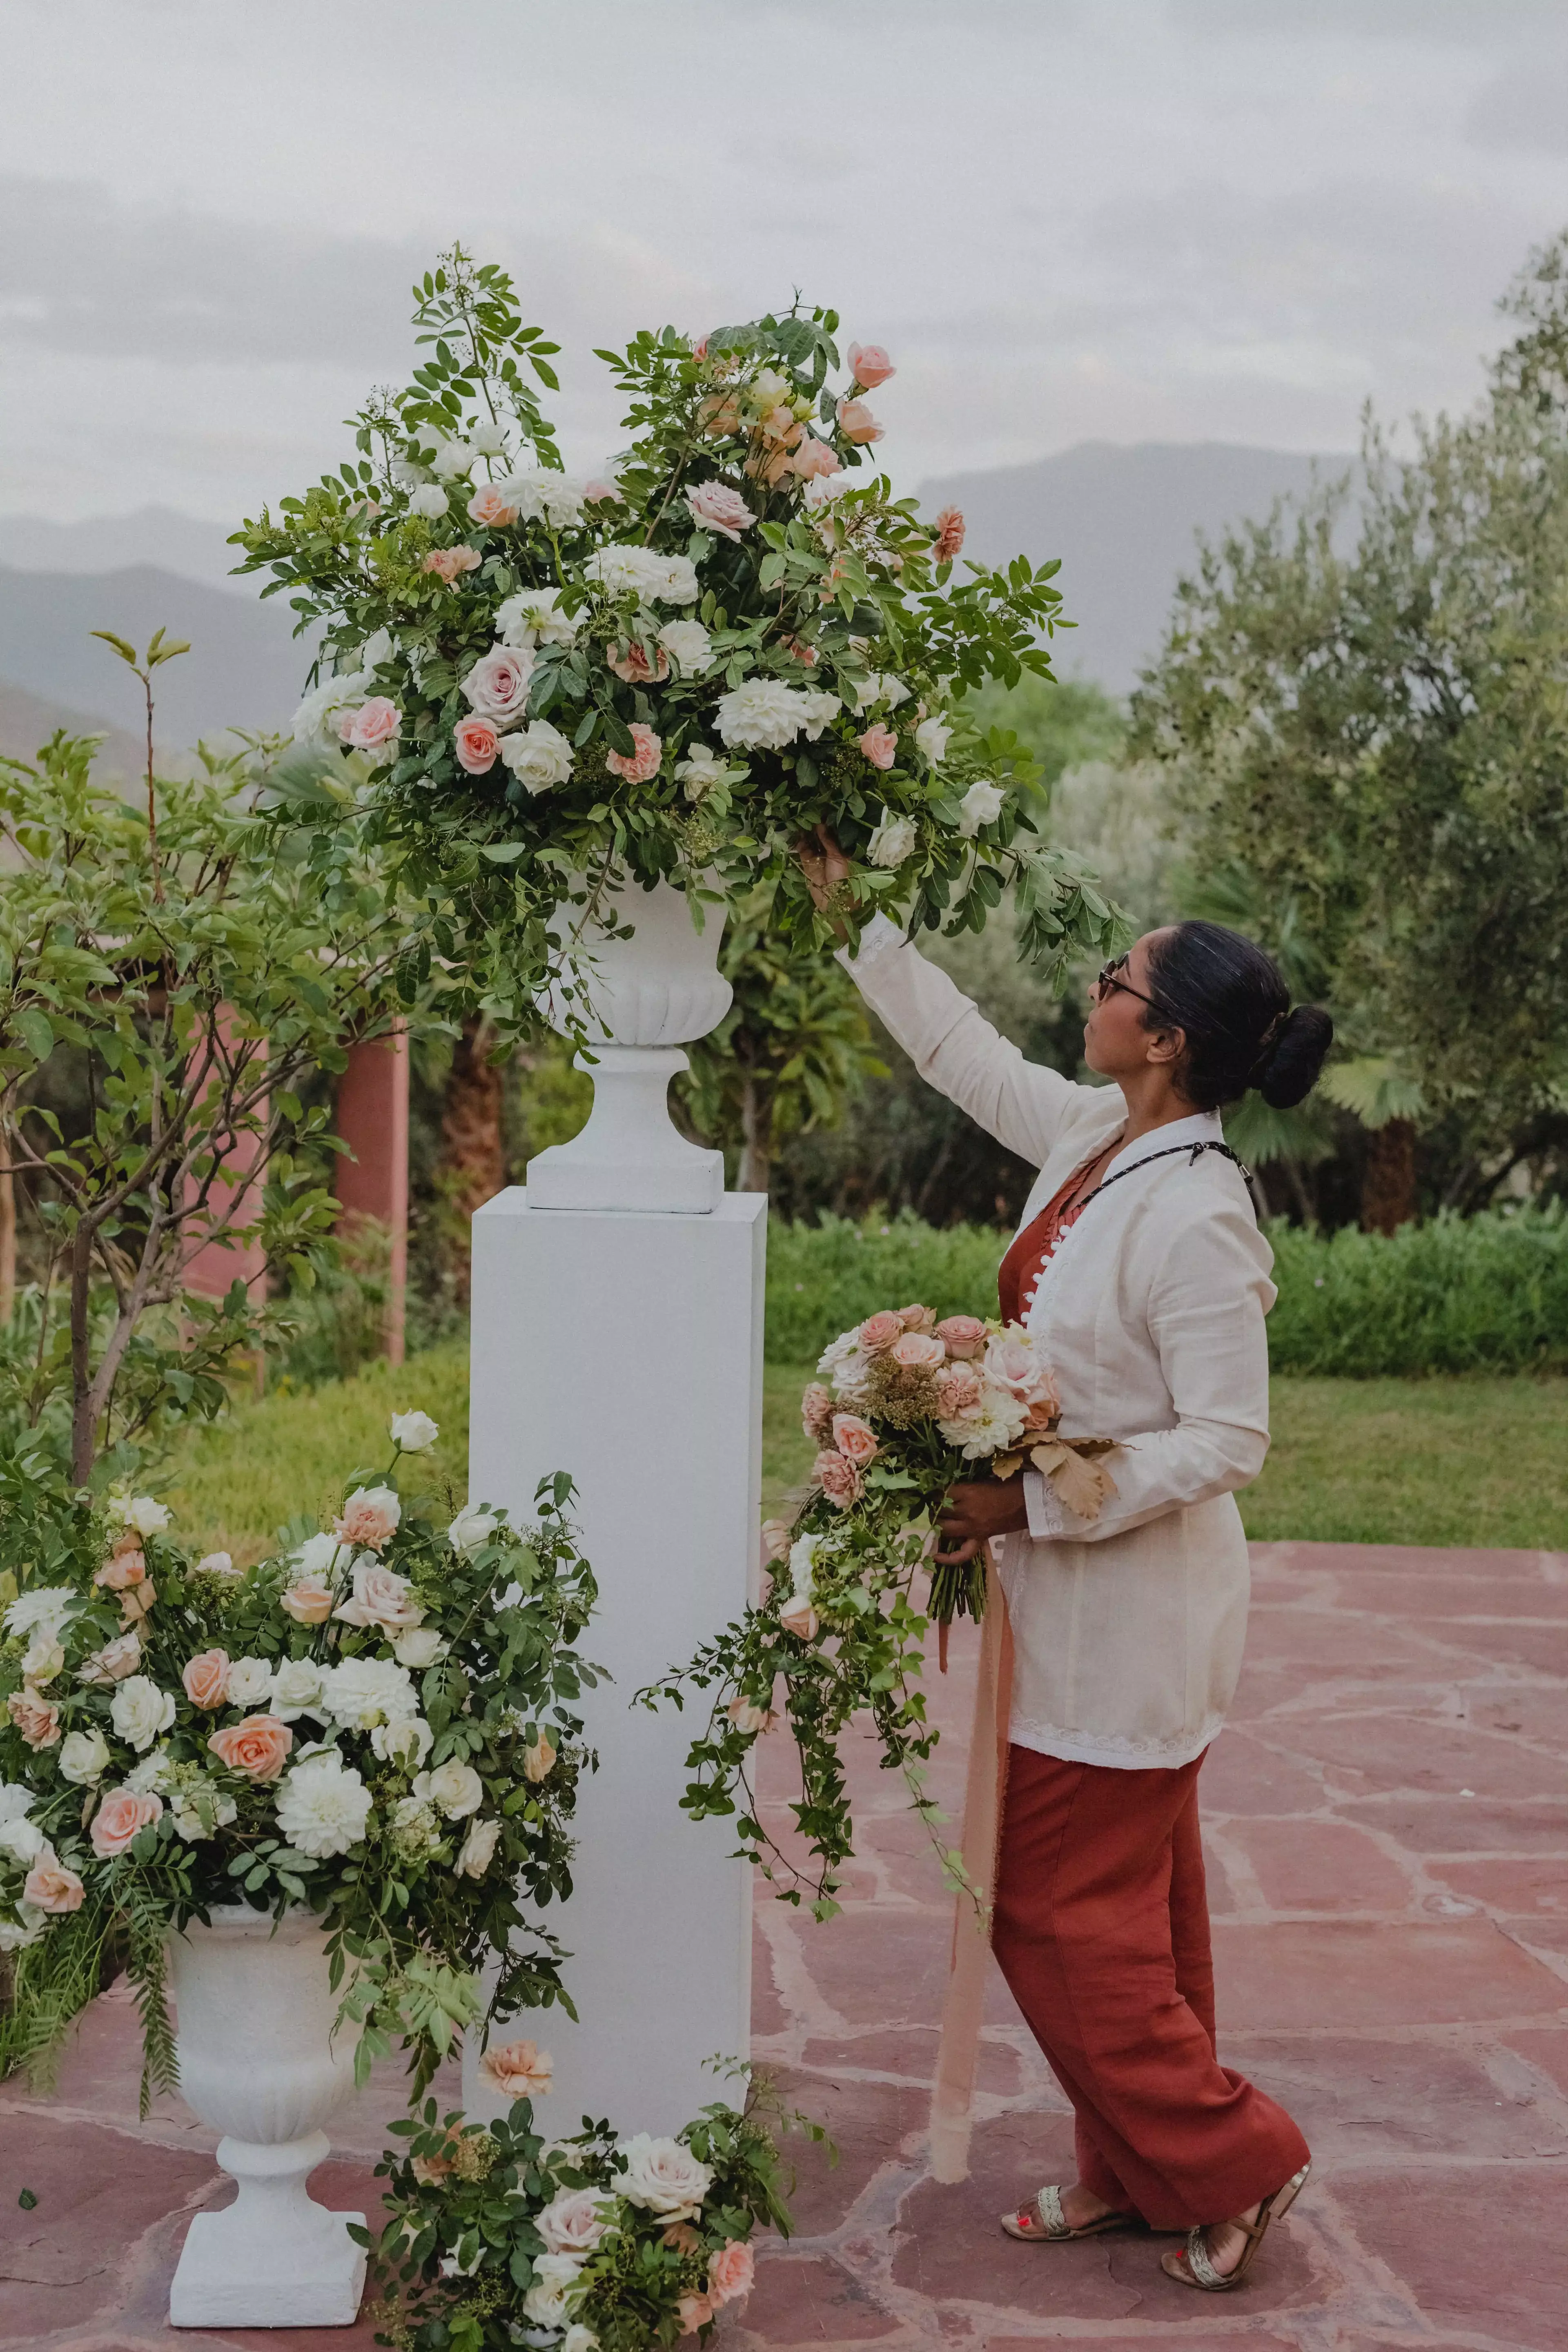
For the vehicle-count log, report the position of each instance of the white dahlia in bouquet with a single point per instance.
(378, 1725)
(532, 685)
(904, 1408)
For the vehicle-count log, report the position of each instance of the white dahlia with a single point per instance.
(362, 1692)
(322, 1807)
(762, 715)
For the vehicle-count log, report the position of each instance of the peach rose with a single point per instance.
(747, 1715)
(695, 2312)
(680, 2238)
(804, 653)
(518, 2070)
(136, 1602)
(430, 2169)
(948, 541)
(919, 1351)
(448, 561)
(307, 1600)
(730, 2272)
(879, 745)
(855, 1439)
(491, 507)
(857, 422)
(800, 1618)
(917, 1318)
(648, 750)
(113, 1662)
(124, 1815)
(815, 1421)
(1044, 1407)
(375, 722)
(370, 1518)
(51, 1887)
(258, 1746)
(870, 365)
(205, 1678)
(126, 1567)
(476, 743)
(719, 414)
(880, 1331)
(838, 1479)
(959, 1388)
(538, 1759)
(814, 459)
(963, 1336)
(37, 1719)
(776, 1538)
(637, 669)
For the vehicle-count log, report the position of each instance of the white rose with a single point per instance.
(140, 1710)
(688, 645)
(298, 1688)
(217, 1563)
(981, 805)
(702, 768)
(429, 501)
(893, 840)
(579, 2339)
(23, 1840)
(663, 2176)
(317, 1556)
(472, 1528)
(362, 1692)
(323, 1807)
(249, 1682)
(43, 1658)
(931, 737)
(538, 755)
(406, 1739)
(407, 475)
(140, 1512)
(16, 1801)
(418, 1647)
(478, 1850)
(151, 1777)
(761, 715)
(534, 617)
(375, 650)
(413, 1431)
(821, 710)
(802, 1558)
(187, 1814)
(882, 685)
(45, 1608)
(554, 2276)
(29, 1924)
(769, 390)
(455, 1787)
(488, 439)
(452, 460)
(675, 580)
(84, 1758)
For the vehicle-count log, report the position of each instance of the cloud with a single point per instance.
(1526, 107)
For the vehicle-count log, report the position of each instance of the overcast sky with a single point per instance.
(1068, 219)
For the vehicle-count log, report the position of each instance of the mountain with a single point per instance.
(245, 667)
(1122, 519)
(26, 723)
(181, 543)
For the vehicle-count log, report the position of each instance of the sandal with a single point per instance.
(1042, 2222)
(1193, 2265)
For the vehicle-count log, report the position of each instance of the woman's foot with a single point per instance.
(1218, 2257)
(1056, 2214)
(1080, 2206)
(1225, 2242)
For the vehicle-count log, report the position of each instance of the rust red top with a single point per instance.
(1018, 1274)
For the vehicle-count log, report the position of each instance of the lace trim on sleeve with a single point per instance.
(1047, 1513)
(879, 934)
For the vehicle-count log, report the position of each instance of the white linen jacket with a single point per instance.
(1128, 1630)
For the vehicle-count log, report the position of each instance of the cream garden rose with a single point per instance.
(663, 2176)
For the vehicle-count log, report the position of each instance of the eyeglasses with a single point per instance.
(1109, 980)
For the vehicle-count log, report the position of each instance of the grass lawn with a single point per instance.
(1480, 1460)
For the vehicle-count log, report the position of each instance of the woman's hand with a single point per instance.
(976, 1510)
(825, 867)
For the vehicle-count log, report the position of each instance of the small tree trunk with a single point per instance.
(473, 1157)
(7, 1242)
(756, 1137)
(1388, 1182)
(83, 1421)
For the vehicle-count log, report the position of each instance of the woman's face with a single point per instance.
(1115, 1041)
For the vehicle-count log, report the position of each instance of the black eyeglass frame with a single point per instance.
(1107, 979)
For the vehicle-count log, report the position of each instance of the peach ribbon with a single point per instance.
(959, 2047)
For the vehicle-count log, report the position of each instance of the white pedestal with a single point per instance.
(626, 1347)
(274, 2258)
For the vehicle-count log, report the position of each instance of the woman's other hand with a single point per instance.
(825, 867)
(976, 1510)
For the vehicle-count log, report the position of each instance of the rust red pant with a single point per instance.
(1102, 1932)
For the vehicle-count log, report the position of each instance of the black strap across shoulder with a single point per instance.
(1195, 1152)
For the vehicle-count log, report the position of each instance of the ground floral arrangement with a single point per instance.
(378, 1725)
(533, 683)
(497, 2237)
(907, 1407)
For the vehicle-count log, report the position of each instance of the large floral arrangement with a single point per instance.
(532, 681)
(905, 1408)
(497, 2237)
(378, 1725)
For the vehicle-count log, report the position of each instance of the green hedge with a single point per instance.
(1481, 1293)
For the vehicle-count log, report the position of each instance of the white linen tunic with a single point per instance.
(1128, 1629)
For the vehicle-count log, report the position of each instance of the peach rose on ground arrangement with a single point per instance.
(205, 1678)
(855, 1439)
(50, 1887)
(258, 1746)
(123, 1815)
(370, 1518)
(518, 2070)
(731, 2272)
(37, 1719)
(881, 746)
(642, 761)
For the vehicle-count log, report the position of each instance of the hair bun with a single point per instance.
(1288, 1071)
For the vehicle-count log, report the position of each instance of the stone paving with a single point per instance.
(1389, 1879)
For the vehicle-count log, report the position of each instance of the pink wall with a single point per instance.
(372, 1121)
(215, 1265)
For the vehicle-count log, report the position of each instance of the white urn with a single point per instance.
(641, 999)
(258, 2064)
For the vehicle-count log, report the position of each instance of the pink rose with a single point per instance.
(600, 493)
(496, 686)
(124, 1815)
(37, 1719)
(113, 1662)
(718, 507)
(491, 507)
(428, 2169)
(475, 744)
(879, 745)
(798, 1617)
(1013, 1365)
(838, 1479)
(815, 1418)
(918, 1318)
(880, 1331)
(307, 1600)
(574, 2222)
(258, 1746)
(814, 459)
(776, 1536)
(695, 2311)
(636, 667)
(870, 365)
(374, 723)
(381, 1598)
(370, 1518)
(126, 1567)
(919, 1351)
(51, 1887)
(855, 1439)
(857, 422)
(805, 654)
(719, 414)
(963, 1336)
(647, 753)
(518, 2070)
(205, 1678)
(700, 348)
(747, 1715)
(730, 2272)
(948, 541)
(448, 561)
(959, 1388)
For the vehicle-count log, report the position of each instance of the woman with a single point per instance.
(1140, 1272)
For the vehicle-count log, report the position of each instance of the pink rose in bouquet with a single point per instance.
(815, 1419)
(919, 1351)
(51, 1887)
(776, 1535)
(917, 1318)
(307, 1600)
(963, 1336)
(813, 460)
(798, 1617)
(639, 667)
(476, 743)
(496, 688)
(719, 509)
(37, 1719)
(694, 2311)
(258, 1746)
(381, 1598)
(854, 1438)
(879, 745)
(205, 1678)
(447, 563)
(648, 749)
(490, 506)
(1012, 1364)
(857, 422)
(126, 1566)
(374, 724)
(370, 1518)
(949, 541)
(838, 1479)
(122, 1816)
(518, 2070)
(959, 1388)
(880, 1331)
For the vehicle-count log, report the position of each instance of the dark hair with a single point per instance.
(1233, 1008)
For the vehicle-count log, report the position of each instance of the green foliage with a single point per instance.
(824, 1277)
(1066, 722)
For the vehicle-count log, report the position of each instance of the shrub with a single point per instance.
(824, 1277)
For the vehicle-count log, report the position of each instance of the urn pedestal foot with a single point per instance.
(274, 2258)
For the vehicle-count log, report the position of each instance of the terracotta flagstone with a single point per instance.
(1388, 1853)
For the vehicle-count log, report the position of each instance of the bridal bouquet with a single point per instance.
(905, 1408)
(531, 681)
(499, 2237)
(378, 1724)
